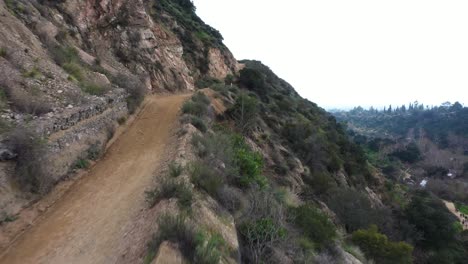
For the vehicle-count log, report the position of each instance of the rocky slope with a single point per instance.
(70, 70)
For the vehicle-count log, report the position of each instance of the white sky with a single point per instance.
(343, 53)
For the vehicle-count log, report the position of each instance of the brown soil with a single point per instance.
(90, 224)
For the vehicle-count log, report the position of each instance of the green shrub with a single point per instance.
(81, 164)
(170, 188)
(209, 248)
(15, 7)
(3, 52)
(377, 247)
(217, 146)
(204, 37)
(94, 152)
(6, 218)
(25, 102)
(93, 89)
(34, 73)
(315, 225)
(173, 228)
(29, 170)
(244, 112)
(200, 97)
(355, 210)
(250, 167)
(194, 108)
(75, 70)
(257, 235)
(135, 88)
(206, 82)
(198, 123)
(206, 178)
(175, 169)
(463, 208)
(64, 54)
(320, 182)
(198, 246)
(121, 120)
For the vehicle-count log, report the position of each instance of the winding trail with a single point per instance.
(87, 224)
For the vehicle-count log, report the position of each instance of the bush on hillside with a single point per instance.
(30, 171)
(170, 188)
(199, 246)
(315, 224)
(207, 82)
(410, 153)
(377, 247)
(135, 88)
(197, 106)
(206, 178)
(252, 79)
(198, 123)
(355, 211)
(244, 112)
(430, 216)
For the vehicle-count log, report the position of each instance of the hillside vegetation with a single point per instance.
(256, 173)
(297, 187)
(417, 147)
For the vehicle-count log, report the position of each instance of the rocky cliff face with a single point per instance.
(71, 69)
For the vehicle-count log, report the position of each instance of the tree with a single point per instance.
(252, 79)
(456, 106)
(244, 112)
(410, 153)
(377, 247)
(403, 108)
(430, 216)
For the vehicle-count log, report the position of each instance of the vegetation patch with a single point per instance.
(197, 105)
(6, 218)
(198, 123)
(135, 88)
(170, 188)
(175, 169)
(34, 73)
(81, 164)
(93, 89)
(29, 171)
(377, 247)
(315, 225)
(206, 178)
(463, 208)
(3, 52)
(198, 246)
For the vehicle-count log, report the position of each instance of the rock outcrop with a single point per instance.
(64, 66)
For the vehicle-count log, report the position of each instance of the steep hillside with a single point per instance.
(71, 71)
(256, 173)
(296, 187)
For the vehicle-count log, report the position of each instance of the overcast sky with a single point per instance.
(343, 53)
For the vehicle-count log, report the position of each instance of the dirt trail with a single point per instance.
(87, 225)
(451, 207)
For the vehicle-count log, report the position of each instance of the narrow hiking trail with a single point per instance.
(451, 207)
(87, 224)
